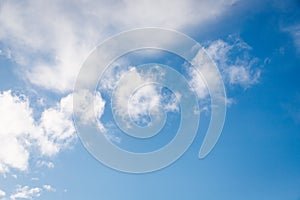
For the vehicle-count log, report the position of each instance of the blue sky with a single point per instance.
(256, 46)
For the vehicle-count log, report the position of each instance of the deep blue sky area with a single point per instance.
(257, 156)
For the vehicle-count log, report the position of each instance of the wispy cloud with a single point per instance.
(237, 65)
(295, 33)
(27, 192)
(43, 163)
(51, 41)
(292, 108)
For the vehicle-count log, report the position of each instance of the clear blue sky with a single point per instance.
(258, 154)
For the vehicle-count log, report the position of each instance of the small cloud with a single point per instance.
(2, 193)
(15, 176)
(295, 33)
(292, 108)
(49, 188)
(43, 163)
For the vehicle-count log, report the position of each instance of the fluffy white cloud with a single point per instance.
(2, 193)
(16, 125)
(20, 133)
(57, 125)
(51, 39)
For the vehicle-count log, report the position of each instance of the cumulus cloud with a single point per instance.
(20, 133)
(58, 128)
(51, 39)
(16, 124)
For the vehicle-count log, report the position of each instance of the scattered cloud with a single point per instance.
(49, 41)
(75, 27)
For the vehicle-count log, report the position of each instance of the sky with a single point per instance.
(255, 46)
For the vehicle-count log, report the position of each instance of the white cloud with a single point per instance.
(197, 83)
(295, 32)
(58, 128)
(16, 124)
(51, 39)
(49, 188)
(2, 193)
(235, 62)
(242, 75)
(146, 98)
(20, 133)
(15, 176)
(43, 163)
(26, 193)
(89, 107)
(137, 94)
